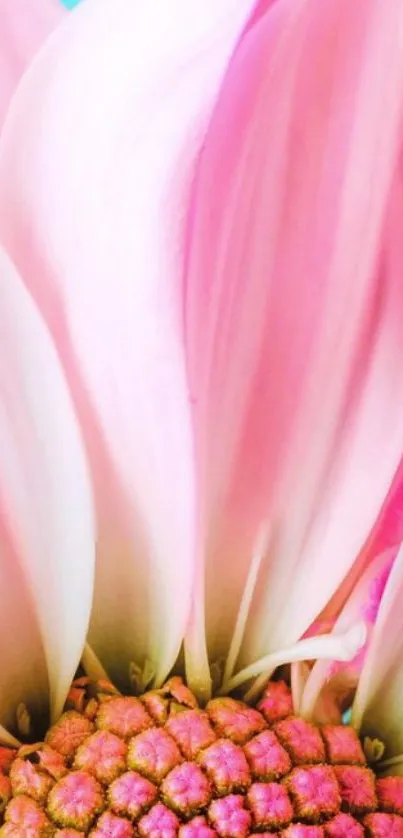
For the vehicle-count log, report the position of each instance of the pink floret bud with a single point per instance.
(196, 828)
(153, 753)
(343, 826)
(192, 732)
(131, 795)
(267, 759)
(103, 754)
(300, 830)
(68, 833)
(226, 766)
(390, 794)
(276, 702)
(229, 817)
(76, 800)
(27, 779)
(160, 822)
(234, 719)
(270, 805)
(342, 745)
(302, 741)
(109, 826)
(68, 733)
(314, 792)
(25, 819)
(124, 716)
(380, 825)
(186, 789)
(357, 788)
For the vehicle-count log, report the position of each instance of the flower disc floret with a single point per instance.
(159, 766)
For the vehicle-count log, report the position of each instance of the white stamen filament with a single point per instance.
(340, 647)
(197, 667)
(299, 676)
(244, 608)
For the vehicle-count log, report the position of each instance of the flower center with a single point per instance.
(159, 766)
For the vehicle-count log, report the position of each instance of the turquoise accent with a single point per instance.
(70, 3)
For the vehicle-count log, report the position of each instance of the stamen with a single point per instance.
(24, 725)
(374, 749)
(342, 647)
(246, 601)
(141, 677)
(216, 672)
(92, 666)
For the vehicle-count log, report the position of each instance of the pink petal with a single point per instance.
(46, 510)
(387, 533)
(377, 709)
(116, 109)
(340, 679)
(24, 27)
(295, 367)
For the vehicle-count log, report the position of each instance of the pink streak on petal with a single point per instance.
(377, 705)
(331, 683)
(387, 533)
(24, 27)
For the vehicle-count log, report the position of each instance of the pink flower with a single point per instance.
(203, 340)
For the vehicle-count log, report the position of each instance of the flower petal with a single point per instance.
(386, 534)
(23, 29)
(295, 367)
(23, 674)
(377, 709)
(97, 229)
(46, 508)
(341, 679)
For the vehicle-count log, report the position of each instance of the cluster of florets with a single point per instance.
(158, 766)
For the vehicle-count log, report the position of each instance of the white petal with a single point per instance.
(45, 500)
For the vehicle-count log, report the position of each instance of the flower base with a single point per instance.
(158, 766)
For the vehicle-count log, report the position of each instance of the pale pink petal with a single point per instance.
(338, 680)
(295, 367)
(46, 522)
(377, 709)
(387, 533)
(24, 26)
(23, 674)
(93, 212)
